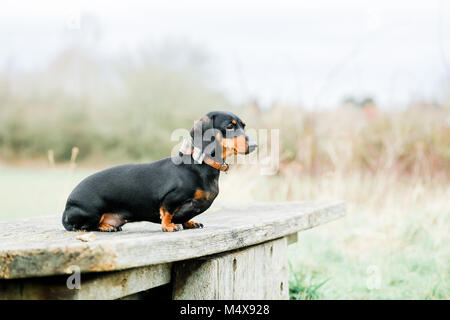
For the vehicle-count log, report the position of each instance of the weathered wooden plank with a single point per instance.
(41, 247)
(257, 272)
(93, 286)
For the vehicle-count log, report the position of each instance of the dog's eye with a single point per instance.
(230, 126)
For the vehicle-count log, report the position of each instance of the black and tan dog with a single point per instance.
(170, 191)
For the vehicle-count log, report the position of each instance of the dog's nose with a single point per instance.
(251, 146)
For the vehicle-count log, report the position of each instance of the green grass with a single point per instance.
(322, 269)
(392, 244)
(31, 192)
(302, 286)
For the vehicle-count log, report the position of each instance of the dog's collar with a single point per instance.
(215, 164)
(188, 148)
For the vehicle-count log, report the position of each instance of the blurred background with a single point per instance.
(360, 91)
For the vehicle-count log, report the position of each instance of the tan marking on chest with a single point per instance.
(203, 195)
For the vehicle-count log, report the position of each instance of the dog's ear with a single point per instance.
(203, 134)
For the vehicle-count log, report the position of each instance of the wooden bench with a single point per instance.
(240, 254)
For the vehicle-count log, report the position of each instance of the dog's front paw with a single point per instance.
(192, 225)
(171, 227)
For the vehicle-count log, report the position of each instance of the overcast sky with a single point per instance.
(312, 52)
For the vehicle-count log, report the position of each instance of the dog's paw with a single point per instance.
(171, 227)
(192, 225)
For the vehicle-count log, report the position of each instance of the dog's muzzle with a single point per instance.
(251, 146)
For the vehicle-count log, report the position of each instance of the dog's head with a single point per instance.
(220, 134)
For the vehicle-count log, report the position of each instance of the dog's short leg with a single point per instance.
(166, 221)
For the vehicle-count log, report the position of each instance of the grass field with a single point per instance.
(393, 244)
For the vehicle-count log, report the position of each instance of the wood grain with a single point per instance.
(93, 286)
(259, 272)
(41, 247)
